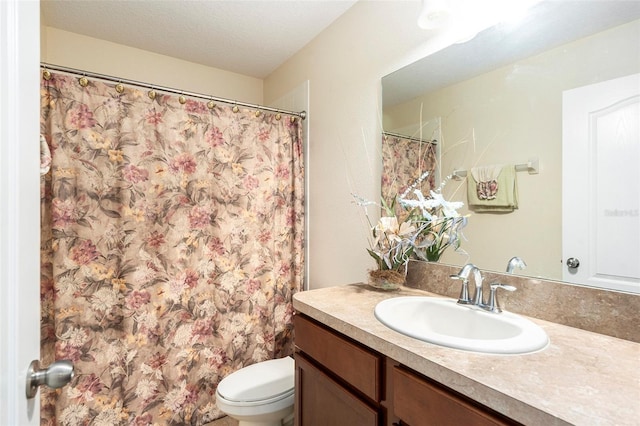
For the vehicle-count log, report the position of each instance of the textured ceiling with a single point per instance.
(249, 37)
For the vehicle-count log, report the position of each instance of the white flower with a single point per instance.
(144, 274)
(68, 285)
(388, 224)
(406, 229)
(112, 354)
(427, 205)
(207, 308)
(228, 282)
(75, 337)
(176, 397)
(422, 203)
(104, 299)
(74, 414)
(259, 354)
(449, 208)
(146, 389)
(239, 341)
(109, 416)
(183, 336)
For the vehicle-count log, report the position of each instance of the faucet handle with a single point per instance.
(493, 305)
(464, 298)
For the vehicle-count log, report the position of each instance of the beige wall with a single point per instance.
(90, 54)
(508, 116)
(344, 66)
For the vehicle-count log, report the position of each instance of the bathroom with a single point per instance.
(344, 81)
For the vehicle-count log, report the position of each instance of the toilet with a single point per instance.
(260, 394)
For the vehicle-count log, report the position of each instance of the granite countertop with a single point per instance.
(581, 378)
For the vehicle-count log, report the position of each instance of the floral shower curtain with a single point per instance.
(404, 160)
(172, 243)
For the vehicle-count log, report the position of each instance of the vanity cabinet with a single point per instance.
(340, 382)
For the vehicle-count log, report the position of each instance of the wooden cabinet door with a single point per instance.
(320, 401)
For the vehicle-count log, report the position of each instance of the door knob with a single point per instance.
(572, 262)
(55, 376)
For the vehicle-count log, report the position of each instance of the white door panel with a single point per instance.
(19, 207)
(601, 184)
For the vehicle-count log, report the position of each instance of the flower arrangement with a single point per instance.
(412, 225)
(437, 221)
(391, 244)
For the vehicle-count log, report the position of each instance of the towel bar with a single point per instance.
(532, 166)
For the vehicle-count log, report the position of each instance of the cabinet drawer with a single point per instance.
(421, 402)
(349, 361)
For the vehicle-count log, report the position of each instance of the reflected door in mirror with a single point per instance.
(601, 184)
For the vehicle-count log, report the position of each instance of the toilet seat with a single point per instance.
(259, 384)
(230, 403)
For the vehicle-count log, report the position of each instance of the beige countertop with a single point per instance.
(581, 378)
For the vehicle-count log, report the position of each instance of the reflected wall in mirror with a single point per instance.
(499, 101)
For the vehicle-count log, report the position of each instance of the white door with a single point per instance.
(19, 207)
(601, 184)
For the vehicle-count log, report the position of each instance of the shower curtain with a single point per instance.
(172, 243)
(404, 160)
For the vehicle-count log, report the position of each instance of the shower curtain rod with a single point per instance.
(302, 114)
(411, 138)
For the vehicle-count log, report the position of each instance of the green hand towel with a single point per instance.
(506, 198)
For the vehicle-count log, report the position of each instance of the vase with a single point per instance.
(386, 279)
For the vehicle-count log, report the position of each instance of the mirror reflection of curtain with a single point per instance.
(172, 243)
(404, 160)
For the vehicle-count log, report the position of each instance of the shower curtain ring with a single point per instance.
(119, 87)
(182, 99)
(211, 104)
(46, 74)
(83, 81)
(235, 108)
(152, 94)
(278, 115)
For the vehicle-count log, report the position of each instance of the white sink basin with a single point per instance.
(444, 322)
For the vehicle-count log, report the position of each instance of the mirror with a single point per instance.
(498, 99)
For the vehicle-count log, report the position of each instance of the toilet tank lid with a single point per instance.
(259, 381)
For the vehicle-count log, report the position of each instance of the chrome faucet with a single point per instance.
(515, 262)
(463, 275)
(478, 298)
